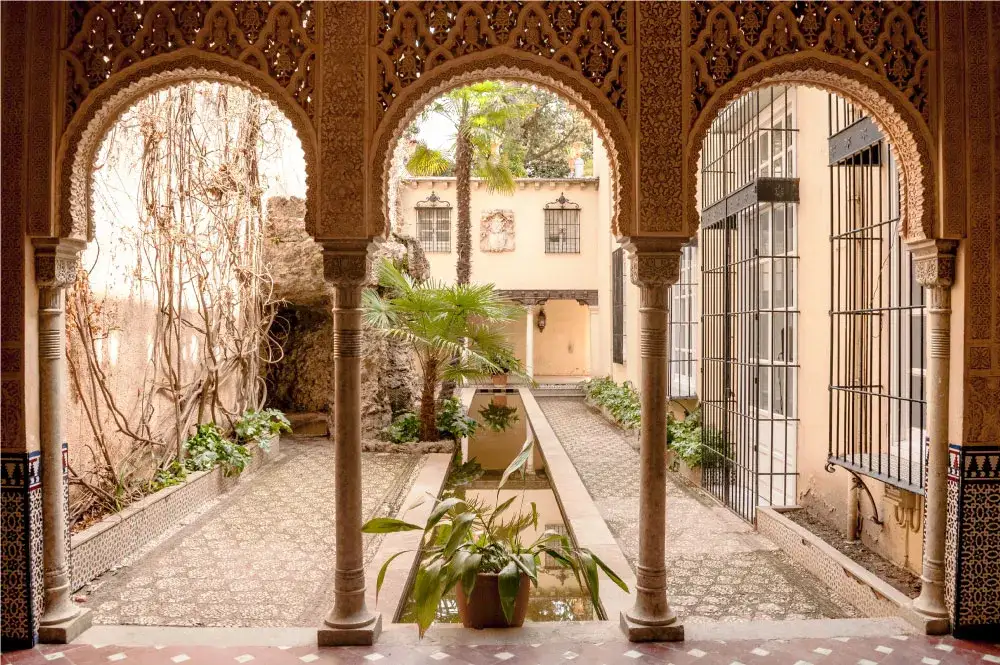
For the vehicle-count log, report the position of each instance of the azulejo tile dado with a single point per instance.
(21, 563)
(973, 551)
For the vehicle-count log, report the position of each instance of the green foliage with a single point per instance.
(506, 361)
(452, 423)
(684, 436)
(173, 474)
(621, 401)
(260, 426)
(208, 447)
(463, 538)
(498, 417)
(404, 429)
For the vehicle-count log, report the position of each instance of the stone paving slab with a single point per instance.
(719, 568)
(261, 556)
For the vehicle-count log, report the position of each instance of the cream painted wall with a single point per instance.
(528, 266)
(563, 348)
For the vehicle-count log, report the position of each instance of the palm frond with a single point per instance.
(426, 161)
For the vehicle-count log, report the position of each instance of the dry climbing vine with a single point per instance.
(186, 269)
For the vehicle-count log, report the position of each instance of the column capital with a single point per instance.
(934, 262)
(654, 262)
(346, 262)
(56, 261)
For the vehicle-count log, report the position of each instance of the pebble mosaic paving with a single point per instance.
(719, 569)
(262, 556)
(898, 650)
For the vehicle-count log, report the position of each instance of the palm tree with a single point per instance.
(435, 319)
(481, 114)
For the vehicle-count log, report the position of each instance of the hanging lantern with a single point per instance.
(540, 322)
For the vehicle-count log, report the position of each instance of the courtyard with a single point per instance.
(501, 332)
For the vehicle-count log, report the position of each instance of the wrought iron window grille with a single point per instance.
(434, 224)
(562, 226)
(618, 306)
(749, 264)
(877, 363)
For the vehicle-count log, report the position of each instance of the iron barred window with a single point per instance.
(683, 326)
(877, 368)
(434, 224)
(618, 306)
(749, 266)
(562, 227)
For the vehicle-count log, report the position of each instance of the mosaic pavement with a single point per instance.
(898, 650)
(263, 555)
(719, 568)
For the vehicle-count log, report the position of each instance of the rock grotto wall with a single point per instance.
(302, 381)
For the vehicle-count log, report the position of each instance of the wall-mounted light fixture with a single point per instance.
(540, 321)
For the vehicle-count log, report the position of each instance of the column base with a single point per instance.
(926, 623)
(66, 631)
(637, 632)
(363, 636)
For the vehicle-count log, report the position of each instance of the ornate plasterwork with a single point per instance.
(587, 297)
(589, 39)
(874, 54)
(116, 55)
(496, 231)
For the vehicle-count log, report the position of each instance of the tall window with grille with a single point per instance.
(683, 326)
(618, 306)
(877, 367)
(749, 262)
(434, 224)
(562, 227)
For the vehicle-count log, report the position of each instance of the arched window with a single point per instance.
(562, 226)
(434, 224)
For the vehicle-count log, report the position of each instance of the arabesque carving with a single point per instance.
(591, 39)
(277, 38)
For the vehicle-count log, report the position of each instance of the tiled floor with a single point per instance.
(899, 650)
(719, 569)
(263, 556)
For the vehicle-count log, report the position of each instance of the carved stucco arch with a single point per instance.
(898, 120)
(86, 131)
(508, 65)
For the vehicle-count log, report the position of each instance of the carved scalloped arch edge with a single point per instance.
(105, 104)
(895, 117)
(508, 66)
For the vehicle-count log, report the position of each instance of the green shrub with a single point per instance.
(208, 447)
(621, 401)
(684, 437)
(452, 423)
(260, 426)
(404, 429)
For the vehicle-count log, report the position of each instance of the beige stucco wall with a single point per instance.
(527, 266)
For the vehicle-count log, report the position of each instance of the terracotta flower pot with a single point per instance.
(500, 380)
(483, 610)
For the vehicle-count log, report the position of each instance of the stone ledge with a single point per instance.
(116, 537)
(636, 632)
(864, 590)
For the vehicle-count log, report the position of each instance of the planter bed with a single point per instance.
(112, 540)
(866, 591)
(414, 448)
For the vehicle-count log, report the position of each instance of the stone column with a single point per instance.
(55, 269)
(350, 622)
(935, 268)
(529, 342)
(596, 351)
(654, 269)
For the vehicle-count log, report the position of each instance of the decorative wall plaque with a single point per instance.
(496, 231)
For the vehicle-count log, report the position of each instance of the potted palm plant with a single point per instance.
(506, 362)
(477, 550)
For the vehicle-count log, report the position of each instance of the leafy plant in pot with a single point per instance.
(498, 416)
(507, 363)
(477, 550)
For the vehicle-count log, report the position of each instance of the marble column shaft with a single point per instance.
(935, 270)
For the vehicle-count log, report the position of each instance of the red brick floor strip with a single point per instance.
(900, 650)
